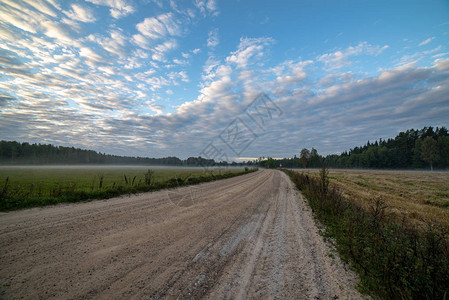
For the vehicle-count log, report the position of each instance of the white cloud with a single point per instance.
(249, 48)
(115, 44)
(118, 8)
(414, 58)
(159, 27)
(20, 17)
(209, 68)
(107, 70)
(183, 76)
(440, 55)
(211, 5)
(180, 61)
(80, 13)
(292, 73)
(339, 59)
(140, 41)
(59, 32)
(212, 40)
(161, 49)
(156, 108)
(73, 24)
(92, 58)
(425, 42)
(41, 6)
(207, 7)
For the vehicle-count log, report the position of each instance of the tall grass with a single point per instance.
(394, 258)
(19, 196)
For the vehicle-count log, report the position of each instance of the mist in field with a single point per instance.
(114, 167)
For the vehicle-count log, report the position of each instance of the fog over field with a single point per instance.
(110, 167)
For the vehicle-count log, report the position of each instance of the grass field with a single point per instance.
(29, 186)
(418, 195)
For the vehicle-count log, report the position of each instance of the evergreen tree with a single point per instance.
(430, 151)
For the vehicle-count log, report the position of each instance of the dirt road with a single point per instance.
(250, 236)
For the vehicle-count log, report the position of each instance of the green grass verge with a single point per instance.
(59, 185)
(394, 258)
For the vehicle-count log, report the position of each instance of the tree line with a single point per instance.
(412, 149)
(15, 153)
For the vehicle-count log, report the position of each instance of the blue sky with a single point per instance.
(158, 78)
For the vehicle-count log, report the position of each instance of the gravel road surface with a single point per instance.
(247, 237)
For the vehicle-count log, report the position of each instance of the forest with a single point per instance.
(427, 148)
(15, 153)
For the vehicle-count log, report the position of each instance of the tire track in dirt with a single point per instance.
(250, 236)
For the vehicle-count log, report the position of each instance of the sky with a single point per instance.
(229, 80)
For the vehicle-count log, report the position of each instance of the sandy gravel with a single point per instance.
(248, 237)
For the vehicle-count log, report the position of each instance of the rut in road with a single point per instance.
(246, 237)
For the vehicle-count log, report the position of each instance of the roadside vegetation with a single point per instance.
(24, 187)
(420, 196)
(396, 258)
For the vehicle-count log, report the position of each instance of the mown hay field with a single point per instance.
(420, 196)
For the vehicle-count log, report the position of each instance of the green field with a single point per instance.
(27, 186)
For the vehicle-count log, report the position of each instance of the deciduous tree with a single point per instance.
(304, 157)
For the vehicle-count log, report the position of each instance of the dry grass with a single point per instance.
(417, 195)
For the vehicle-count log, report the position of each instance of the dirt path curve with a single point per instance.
(247, 237)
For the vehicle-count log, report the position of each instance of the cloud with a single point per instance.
(115, 44)
(61, 33)
(92, 59)
(158, 27)
(161, 49)
(207, 7)
(347, 113)
(42, 6)
(118, 8)
(248, 49)
(80, 13)
(414, 58)
(54, 78)
(180, 62)
(212, 40)
(8, 59)
(21, 17)
(425, 42)
(6, 99)
(340, 58)
(141, 41)
(64, 85)
(291, 73)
